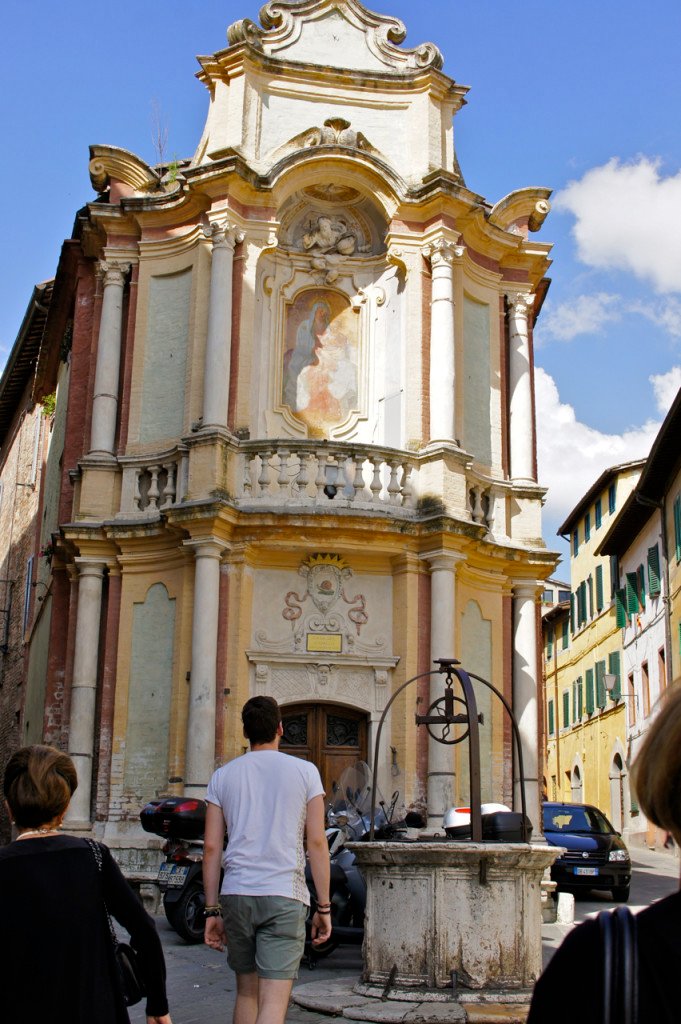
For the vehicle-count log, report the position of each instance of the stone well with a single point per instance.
(452, 920)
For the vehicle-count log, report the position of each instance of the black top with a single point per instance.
(571, 987)
(56, 951)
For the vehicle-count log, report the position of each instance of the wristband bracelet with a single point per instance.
(211, 912)
(323, 912)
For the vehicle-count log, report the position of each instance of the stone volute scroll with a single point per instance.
(369, 39)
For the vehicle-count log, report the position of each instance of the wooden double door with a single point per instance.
(330, 735)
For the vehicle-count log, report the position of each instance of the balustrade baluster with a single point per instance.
(408, 500)
(137, 496)
(393, 484)
(358, 482)
(376, 484)
(303, 476)
(247, 485)
(153, 492)
(320, 481)
(282, 476)
(169, 489)
(264, 478)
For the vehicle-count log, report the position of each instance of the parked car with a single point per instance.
(595, 855)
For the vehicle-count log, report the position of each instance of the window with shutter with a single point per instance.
(612, 498)
(551, 721)
(614, 669)
(549, 642)
(601, 699)
(599, 588)
(590, 703)
(580, 698)
(641, 586)
(572, 612)
(590, 586)
(575, 542)
(654, 585)
(598, 514)
(566, 709)
(631, 587)
(574, 702)
(614, 575)
(565, 635)
(587, 527)
(621, 608)
(677, 528)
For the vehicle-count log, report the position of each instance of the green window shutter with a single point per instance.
(565, 635)
(599, 588)
(549, 642)
(575, 542)
(551, 722)
(679, 639)
(580, 698)
(621, 608)
(572, 612)
(614, 575)
(590, 589)
(590, 704)
(642, 586)
(631, 588)
(574, 702)
(614, 669)
(566, 709)
(598, 513)
(677, 528)
(601, 699)
(654, 585)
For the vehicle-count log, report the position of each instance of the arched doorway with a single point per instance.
(617, 792)
(576, 785)
(330, 735)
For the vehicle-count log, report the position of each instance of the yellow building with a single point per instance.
(300, 457)
(585, 721)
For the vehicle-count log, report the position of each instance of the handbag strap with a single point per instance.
(620, 966)
(97, 854)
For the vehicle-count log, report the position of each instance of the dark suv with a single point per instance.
(595, 856)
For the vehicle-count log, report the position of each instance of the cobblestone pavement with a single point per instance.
(202, 988)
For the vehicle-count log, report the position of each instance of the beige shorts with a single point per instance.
(265, 935)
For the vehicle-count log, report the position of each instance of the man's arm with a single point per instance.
(318, 853)
(214, 934)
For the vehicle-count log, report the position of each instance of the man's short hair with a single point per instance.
(261, 717)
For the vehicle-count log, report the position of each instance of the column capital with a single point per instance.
(90, 566)
(521, 303)
(442, 252)
(223, 236)
(113, 272)
(527, 588)
(206, 547)
(442, 560)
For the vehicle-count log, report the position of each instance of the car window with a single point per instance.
(566, 818)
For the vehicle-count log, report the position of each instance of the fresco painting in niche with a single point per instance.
(320, 360)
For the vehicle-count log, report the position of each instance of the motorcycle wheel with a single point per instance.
(186, 915)
(319, 952)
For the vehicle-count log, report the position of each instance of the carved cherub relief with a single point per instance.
(330, 235)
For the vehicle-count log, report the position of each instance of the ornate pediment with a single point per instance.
(334, 33)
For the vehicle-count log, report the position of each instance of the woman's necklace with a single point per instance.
(38, 832)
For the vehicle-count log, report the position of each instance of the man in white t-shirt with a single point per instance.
(267, 801)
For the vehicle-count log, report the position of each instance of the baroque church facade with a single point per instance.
(298, 452)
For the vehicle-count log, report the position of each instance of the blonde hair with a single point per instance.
(656, 772)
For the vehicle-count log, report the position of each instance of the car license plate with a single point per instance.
(173, 875)
(591, 872)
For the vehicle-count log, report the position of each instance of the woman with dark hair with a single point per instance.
(56, 950)
(572, 988)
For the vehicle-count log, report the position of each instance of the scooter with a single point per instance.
(181, 822)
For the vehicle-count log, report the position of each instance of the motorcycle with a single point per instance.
(181, 822)
(349, 820)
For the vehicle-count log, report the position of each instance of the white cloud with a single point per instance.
(584, 315)
(628, 217)
(666, 388)
(572, 455)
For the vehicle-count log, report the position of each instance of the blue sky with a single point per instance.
(578, 96)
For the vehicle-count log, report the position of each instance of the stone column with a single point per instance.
(525, 683)
(105, 399)
(442, 349)
(521, 427)
(84, 687)
(442, 645)
(219, 337)
(200, 746)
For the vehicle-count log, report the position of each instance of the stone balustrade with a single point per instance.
(150, 485)
(316, 474)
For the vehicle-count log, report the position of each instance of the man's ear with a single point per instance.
(280, 729)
